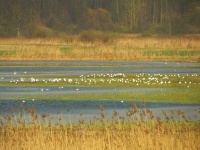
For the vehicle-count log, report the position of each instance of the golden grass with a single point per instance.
(99, 134)
(124, 48)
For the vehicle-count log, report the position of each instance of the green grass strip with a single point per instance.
(187, 96)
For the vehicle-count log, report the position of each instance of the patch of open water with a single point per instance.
(87, 67)
(7, 91)
(89, 108)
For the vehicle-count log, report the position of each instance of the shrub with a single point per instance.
(39, 31)
(96, 36)
(146, 34)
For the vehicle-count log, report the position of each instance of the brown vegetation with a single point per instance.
(103, 47)
(100, 133)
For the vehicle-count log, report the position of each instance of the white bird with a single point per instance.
(23, 101)
(122, 101)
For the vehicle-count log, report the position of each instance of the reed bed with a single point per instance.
(130, 132)
(123, 48)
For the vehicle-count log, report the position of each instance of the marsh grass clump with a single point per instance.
(132, 131)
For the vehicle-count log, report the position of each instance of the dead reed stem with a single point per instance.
(100, 133)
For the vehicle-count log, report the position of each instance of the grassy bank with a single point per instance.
(117, 48)
(100, 133)
(166, 87)
(170, 95)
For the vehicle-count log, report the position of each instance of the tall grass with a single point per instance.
(99, 46)
(132, 132)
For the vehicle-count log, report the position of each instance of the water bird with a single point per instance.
(77, 89)
(122, 101)
(23, 101)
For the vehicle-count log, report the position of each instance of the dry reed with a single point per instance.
(124, 48)
(100, 133)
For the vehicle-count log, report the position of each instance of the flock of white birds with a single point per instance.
(185, 80)
(118, 79)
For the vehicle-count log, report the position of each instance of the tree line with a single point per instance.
(41, 18)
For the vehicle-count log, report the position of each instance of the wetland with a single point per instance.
(95, 104)
(83, 86)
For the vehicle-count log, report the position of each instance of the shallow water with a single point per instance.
(87, 108)
(87, 67)
(7, 91)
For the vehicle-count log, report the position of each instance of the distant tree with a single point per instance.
(104, 18)
(89, 20)
(17, 15)
(194, 16)
(99, 19)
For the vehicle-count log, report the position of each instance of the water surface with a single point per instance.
(11, 70)
(87, 67)
(90, 108)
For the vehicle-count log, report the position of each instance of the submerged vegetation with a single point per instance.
(33, 131)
